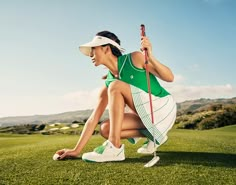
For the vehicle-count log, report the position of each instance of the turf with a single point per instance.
(188, 157)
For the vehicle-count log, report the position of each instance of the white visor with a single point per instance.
(98, 41)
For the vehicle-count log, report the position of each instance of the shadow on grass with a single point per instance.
(189, 158)
(182, 158)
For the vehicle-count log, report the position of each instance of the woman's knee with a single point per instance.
(118, 86)
(121, 88)
(113, 87)
(105, 129)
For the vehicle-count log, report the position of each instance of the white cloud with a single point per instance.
(88, 99)
(81, 99)
(43, 105)
(179, 78)
(183, 92)
(29, 105)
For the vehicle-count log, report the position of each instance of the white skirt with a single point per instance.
(164, 112)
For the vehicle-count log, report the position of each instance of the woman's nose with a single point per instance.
(91, 53)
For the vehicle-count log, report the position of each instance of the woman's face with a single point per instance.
(97, 55)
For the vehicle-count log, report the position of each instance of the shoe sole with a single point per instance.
(101, 161)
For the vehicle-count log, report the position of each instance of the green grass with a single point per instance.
(189, 157)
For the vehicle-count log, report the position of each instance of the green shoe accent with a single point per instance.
(104, 153)
(89, 161)
(100, 149)
(134, 140)
(131, 140)
(145, 143)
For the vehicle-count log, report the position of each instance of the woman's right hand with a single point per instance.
(67, 153)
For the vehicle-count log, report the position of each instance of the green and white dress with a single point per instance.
(164, 106)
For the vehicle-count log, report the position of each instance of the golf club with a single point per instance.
(156, 158)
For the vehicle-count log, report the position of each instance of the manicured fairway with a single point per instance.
(189, 157)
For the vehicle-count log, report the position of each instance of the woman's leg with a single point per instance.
(119, 94)
(130, 127)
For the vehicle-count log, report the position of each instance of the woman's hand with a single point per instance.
(67, 153)
(155, 67)
(146, 44)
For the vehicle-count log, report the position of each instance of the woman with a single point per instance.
(126, 85)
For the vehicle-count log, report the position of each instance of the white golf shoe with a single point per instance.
(104, 153)
(148, 146)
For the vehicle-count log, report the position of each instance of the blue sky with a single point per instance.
(43, 72)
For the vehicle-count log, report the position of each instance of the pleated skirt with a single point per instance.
(164, 112)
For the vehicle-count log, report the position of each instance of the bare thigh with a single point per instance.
(131, 121)
(125, 90)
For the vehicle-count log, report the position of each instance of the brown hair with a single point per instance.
(115, 51)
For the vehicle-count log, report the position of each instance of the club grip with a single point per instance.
(143, 30)
(143, 33)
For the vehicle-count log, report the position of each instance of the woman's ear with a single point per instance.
(107, 49)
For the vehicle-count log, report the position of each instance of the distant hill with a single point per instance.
(66, 117)
(193, 106)
(206, 114)
(185, 108)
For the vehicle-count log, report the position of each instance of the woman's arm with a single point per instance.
(89, 127)
(154, 65)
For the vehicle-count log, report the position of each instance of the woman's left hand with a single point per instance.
(146, 44)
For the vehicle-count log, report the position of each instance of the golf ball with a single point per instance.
(56, 157)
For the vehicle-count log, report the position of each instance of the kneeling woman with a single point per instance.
(126, 85)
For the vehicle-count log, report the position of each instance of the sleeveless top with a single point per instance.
(135, 76)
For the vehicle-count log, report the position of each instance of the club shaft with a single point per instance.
(143, 33)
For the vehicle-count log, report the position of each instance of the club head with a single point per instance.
(151, 163)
